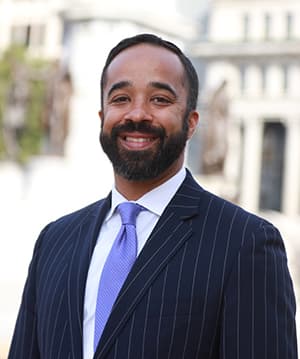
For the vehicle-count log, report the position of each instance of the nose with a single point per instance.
(138, 112)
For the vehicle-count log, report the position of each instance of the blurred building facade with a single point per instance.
(252, 49)
(33, 24)
(247, 148)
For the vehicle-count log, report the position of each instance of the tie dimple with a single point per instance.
(128, 212)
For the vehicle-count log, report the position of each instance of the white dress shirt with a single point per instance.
(155, 202)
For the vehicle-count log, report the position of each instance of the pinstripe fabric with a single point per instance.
(211, 282)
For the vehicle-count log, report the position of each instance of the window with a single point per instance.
(289, 26)
(272, 165)
(20, 35)
(268, 24)
(37, 35)
(243, 78)
(246, 25)
(204, 25)
(285, 85)
(263, 77)
(28, 35)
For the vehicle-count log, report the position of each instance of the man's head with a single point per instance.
(149, 95)
(190, 72)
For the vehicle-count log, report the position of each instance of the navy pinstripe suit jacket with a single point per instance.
(211, 282)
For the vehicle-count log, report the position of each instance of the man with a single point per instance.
(210, 280)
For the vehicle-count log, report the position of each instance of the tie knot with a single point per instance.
(128, 212)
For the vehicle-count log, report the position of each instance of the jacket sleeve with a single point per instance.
(259, 303)
(24, 343)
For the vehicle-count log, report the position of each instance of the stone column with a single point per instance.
(291, 184)
(251, 164)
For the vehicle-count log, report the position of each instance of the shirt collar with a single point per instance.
(154, 201)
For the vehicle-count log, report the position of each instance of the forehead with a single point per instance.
(145, 60)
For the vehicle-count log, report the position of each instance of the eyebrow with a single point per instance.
(164, 86)
(156, 84)
(118, 85)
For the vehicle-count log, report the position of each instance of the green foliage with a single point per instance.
(4, 83)
(31, 136)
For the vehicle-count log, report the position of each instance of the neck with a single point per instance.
(133, 190)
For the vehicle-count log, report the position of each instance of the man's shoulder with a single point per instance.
(79, 216)
(221, 208)
(236, 219)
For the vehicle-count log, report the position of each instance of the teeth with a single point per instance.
(137, 139)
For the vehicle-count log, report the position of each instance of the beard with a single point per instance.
(148, 164)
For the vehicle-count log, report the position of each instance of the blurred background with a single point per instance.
(247, 145)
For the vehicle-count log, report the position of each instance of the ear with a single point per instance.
(100, 114)
(193, 122)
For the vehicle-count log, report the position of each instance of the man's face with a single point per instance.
(144, 121)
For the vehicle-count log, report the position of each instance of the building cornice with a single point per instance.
(220, 50)
(171, 24)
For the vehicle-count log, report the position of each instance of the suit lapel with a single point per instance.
(173, 229)
(83, 241)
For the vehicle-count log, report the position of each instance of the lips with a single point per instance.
(137, 136)
(137, 141)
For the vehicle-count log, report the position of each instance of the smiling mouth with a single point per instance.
(138, 142)
(137, 139)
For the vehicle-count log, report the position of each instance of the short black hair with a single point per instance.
(191, 74)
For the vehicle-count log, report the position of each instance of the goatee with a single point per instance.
(147, 164)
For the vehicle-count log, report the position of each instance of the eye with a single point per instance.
(120, 99)
(161, 100)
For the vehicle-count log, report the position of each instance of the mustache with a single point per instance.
(142, 126)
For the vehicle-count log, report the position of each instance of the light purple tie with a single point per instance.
(117, 266)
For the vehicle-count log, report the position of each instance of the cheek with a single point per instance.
(173, 121)
(109, 119)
